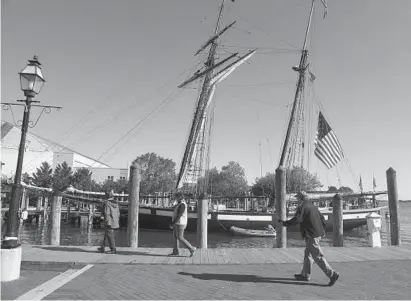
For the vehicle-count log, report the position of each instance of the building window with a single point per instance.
(110, 178)
(122, 178)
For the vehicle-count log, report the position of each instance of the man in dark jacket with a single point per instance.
(111, 214)
(312, 224)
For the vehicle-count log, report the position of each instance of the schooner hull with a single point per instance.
(160, 219)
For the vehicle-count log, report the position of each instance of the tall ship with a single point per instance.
(298, 150)
(246, 211)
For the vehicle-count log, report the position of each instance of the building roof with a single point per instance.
(10, 138)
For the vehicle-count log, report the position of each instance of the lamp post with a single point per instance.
(31, 82)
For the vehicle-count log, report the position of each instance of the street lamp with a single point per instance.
(31, 81)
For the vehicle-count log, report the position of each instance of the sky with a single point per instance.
(110, 63)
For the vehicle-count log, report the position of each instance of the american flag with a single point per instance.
(327, 147)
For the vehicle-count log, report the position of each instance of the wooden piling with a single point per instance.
(133, 205)
(55, 220)
(280, 207)
(68, 210)
(39, 203)
(90, 214)
(338, 237)
(393, 205)
(45, 208)
(23, 199)
(202, 222)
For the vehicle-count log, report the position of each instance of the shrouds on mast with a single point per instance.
(195, 142)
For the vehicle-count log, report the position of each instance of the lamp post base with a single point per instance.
(10, 264)
(10, 244)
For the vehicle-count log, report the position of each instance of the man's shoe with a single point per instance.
(333, 279)
(193, 251)
(112, 251)
(301, 277)
(173, 254)
(100, 249)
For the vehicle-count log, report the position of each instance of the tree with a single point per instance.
(117, 186)
(332, 189)
(230, 181)
(62, 177)
(25, 178)
(344, 189)
(264, 185)
(299, 179)
(43, 177)
(82, 180)
(158, 174)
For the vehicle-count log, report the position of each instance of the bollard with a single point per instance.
(280, 207)
(393, 207)
(202, 221)
(374, 227)
(55, 220)
(338, 226)
(133, 205)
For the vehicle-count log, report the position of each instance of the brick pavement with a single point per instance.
(359, 280)
(28, 280)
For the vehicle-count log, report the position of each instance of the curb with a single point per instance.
(51, 266)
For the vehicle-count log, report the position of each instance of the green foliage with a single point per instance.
(43, 177)
(158, 174)
(264, 185)
(25, 178)
(62, 177)
(82, 180)
(332, 189)
(230, 181)
(297, 179)
(344, 189)
(117, 186)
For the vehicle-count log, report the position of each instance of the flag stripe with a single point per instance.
(325, 155)
(332, 148)
(327, 148)
(322, 158)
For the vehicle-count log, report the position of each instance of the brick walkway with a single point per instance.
(366, 280)
(366, 273)
(359, 280)
(89, 255)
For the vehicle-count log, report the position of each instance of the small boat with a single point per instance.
(249, 232)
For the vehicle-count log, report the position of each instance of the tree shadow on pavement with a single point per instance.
(74, 249)
(249, 278)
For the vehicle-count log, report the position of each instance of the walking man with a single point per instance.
(111, 214)
(312, 225)
(179, 224)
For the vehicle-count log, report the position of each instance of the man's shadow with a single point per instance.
(74, 249)
(249, 278)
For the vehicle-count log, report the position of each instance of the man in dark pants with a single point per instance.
(111, 214)
(179, 224)
(312, 224)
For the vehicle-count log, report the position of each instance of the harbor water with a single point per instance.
(83, 235)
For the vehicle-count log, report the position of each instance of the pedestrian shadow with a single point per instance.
(248, 278)
(74, 249)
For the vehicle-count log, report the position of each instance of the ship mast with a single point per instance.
(301, 69)
(197, 131)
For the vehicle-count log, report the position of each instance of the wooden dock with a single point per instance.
(78, 255)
